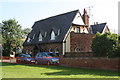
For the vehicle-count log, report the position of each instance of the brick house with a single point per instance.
(68, 32)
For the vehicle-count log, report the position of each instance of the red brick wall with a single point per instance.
(52, 46)
(93, 63)
(45, 47)
(81, 40)
(78, 54)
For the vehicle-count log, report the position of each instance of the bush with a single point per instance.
(105, 45)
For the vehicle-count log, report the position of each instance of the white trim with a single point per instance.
(28, 40)
(34, 36)
(104, 29)
(65, 39)
(58, 32)
(78, 19)
(45, 34)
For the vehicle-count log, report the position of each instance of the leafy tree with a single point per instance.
(12, 35)
(105, 44)
(26, 31)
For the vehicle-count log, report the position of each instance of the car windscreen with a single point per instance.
(27, 56)
(46, 55)
(42, 54)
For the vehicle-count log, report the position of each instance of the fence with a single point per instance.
(8, 59)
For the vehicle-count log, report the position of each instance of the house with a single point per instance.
(101, 28)
(68, 32)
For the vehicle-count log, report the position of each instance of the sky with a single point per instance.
(26, 12)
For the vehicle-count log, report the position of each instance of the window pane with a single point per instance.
(52, 35)
(40, 37)
(78, 30)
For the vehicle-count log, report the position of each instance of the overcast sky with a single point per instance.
(26, 12)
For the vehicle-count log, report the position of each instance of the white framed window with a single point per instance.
(33, 36)
(40, 37)
(45, 34)
(28, 40)
(52, 35)
(58, 32)
(77, 49)
(50, 50)
(78, 30)
(56, 50)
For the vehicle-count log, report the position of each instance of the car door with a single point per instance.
(22, 58)
(38, 58)
(43, 58)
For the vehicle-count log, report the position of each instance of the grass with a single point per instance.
(41, 71)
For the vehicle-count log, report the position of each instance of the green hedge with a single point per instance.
(106, 45)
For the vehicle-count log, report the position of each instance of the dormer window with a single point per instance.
(28, 40)
(33, 36)
(52, 35)
(40, 37)
(58, 32)
(45, 34)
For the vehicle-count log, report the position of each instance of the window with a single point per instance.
(50, 50)
(33, 36)
(56, 52)
(28, 40)
(58, 32)
(78, 30)
(52, 35)
(77, 49)
(40, 37)
(45, 34)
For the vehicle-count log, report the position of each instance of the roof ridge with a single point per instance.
(99, 23)
(58, 15)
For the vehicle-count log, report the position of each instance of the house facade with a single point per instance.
(68, 32)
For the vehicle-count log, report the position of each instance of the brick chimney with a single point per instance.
(86, 19)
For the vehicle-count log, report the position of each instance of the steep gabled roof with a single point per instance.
(60, 22)
(97, 28)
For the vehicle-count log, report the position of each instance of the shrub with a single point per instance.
(105, 45)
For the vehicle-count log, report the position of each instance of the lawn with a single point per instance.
(41, 71)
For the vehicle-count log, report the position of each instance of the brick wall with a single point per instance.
(78, 54)
(93, 63)
(82, 41)
(44, 47)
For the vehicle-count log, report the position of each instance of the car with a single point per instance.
(25, 58)
(46, 58)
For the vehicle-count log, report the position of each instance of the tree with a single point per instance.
(12, 35)
(105, 44)
(26, 31)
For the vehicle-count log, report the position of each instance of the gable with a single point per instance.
(78, 19)
(106, 29)
(97, 28)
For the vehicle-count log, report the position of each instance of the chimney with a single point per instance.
(95, 23)
(86, 19)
